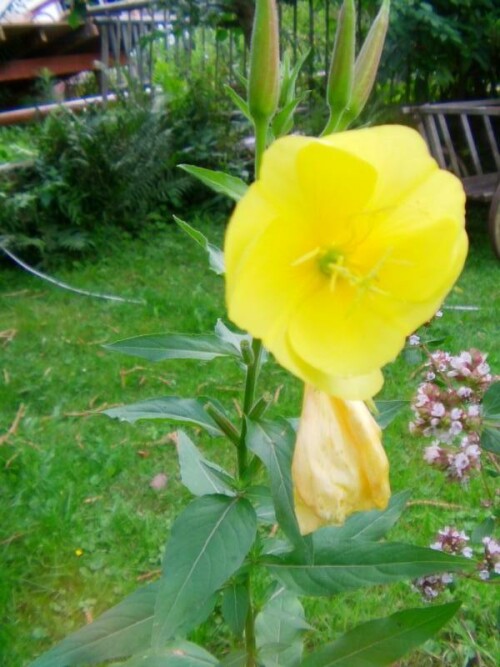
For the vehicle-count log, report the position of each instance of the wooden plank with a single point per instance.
(30, 68)
(32, 113)
(488, 107)
(481, 187)
(471, 143)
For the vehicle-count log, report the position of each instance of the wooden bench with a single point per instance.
(462, 137)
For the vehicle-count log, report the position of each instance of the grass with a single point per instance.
(81, 526)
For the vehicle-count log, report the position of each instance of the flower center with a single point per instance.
(330, 260)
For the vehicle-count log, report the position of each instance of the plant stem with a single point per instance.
(252, 375)
(248, 401)
(250, 644)
(260, 144)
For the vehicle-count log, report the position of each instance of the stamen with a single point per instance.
(305, 258)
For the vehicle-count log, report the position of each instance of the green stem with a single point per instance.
(250, 643)
(261, 127)
(248, 402)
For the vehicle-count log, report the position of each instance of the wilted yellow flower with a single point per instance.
(339, 465)
(341, 249)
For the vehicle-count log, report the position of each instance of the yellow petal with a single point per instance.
(339, 465)
(398, 154)
(344, 246)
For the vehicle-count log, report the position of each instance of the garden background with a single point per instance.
(85, 501)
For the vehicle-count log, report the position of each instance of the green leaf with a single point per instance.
(279, 628)
(235, 659)
(354, 564)
(118, 633)
(158, 347)
(225, 184)
(387, 411)
(383, 641)
(176, 654)
(363, 525)
(215, 254)
(283, 121)
(200, 476)
(261, 499)
(490, 439)
(491, 403)
(273, 443)
(209, 542)
(413, 355)
(483, 529)
(235, 605)
(239, 102)
(229, 337)
(169, 408)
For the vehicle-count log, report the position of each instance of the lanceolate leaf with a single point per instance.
(260, 497)
(383, 641)
(387, 411)
(225, 184)
(209, 542)
(279, 628)
(235, 605)
(354, 564)
(200, 476)
(490, 435)
(118, 633)
(273, 443)
(491, 403)
(158, 347)
(215, 254)
(490, 439)
(170, 408)
(239, 102)
(176, 654)
(363, 525)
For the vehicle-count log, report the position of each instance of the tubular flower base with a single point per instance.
(342, 248)
(339, 465)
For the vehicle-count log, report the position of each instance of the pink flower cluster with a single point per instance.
(491, 562)
(453, 541)
(447, 408)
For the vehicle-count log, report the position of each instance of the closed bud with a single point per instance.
(368, 60)
(247, 353)
(263, 81)
(227, 427)
(339, 465)
(341, 75)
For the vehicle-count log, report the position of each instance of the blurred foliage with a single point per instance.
(114, 168)
(442, 50)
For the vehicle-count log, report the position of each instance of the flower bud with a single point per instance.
(263, 81)
(368, 60)
(341, 75)
(339, 465)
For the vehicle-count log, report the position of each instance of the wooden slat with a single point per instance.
(455, 167)
(492, 141)
(471, 143)
(434, 141)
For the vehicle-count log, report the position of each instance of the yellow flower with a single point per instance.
(342, 248)
(339, 464)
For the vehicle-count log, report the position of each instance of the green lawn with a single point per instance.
(80, 524)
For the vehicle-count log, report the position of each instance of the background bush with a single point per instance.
(114, 169)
